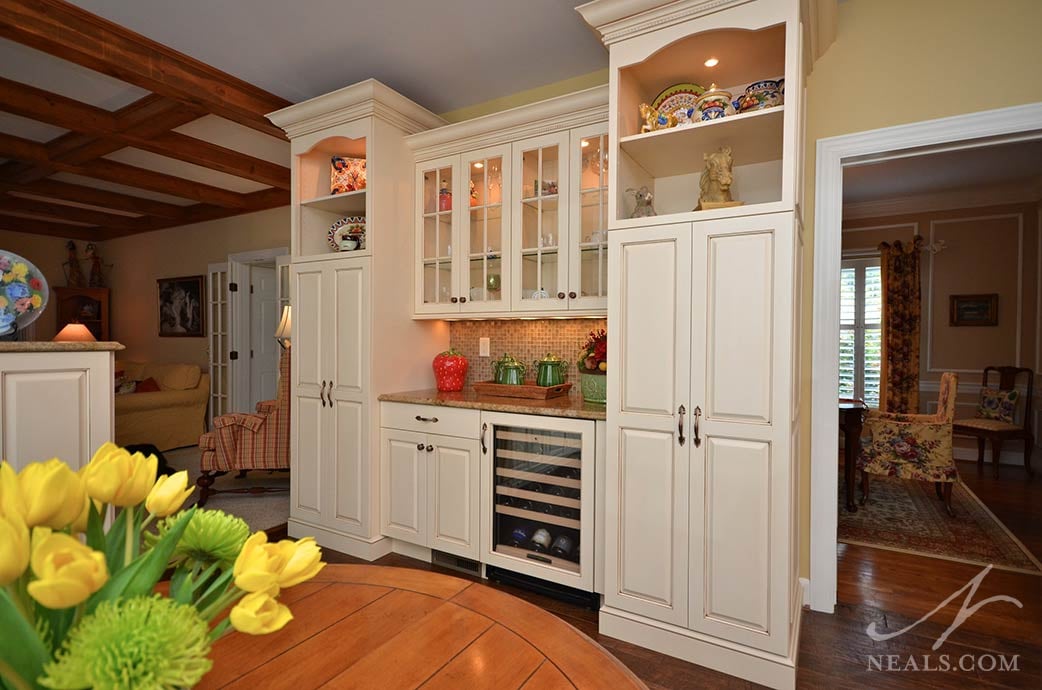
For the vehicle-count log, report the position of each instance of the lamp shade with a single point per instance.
(283, 332)
(74, 333)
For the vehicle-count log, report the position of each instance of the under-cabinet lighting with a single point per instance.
(712, 62)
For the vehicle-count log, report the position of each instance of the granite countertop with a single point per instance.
(571, 405)
(47, 346)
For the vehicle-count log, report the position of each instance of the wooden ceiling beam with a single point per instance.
(37, 104)
(45, 227)
(63, 212)
(121, 173)
(73, 34)
(102, 198)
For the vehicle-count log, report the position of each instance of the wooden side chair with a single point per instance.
(998, 414)
(913, 446)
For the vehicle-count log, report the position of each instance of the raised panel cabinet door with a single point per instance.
(646, 466)
(309, 424)
(349, 323)
(453, 482)
(438, 207)
(539, 223)
(346, 470)
(308, 342)
(740, 464)
(403, 485)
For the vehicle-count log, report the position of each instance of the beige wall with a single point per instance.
(141, 259)
(47, 254)
(896, 62)
(540, 93)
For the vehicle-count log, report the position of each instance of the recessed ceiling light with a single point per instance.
(479, 165)
(712, 62)
(585, 143)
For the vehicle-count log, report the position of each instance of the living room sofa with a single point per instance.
(172, 417)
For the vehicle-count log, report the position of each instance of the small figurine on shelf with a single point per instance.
(97, 279)
(643, 198)
(653, 120)
(74, 274)
(715, 185)
(444, 197)
(474, 194)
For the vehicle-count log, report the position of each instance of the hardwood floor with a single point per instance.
(891, 589)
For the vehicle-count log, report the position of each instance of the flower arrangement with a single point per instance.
(79, 603)
(23, 292)
(593, 357)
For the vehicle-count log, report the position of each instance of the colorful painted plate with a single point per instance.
(352, 225)
(23, 293)
(679, 100)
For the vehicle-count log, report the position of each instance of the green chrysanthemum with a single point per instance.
(212, 536)
(141, 643)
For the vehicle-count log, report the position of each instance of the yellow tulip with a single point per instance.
(79, 525)
(52, 492)
(14, 549)
(168, 494)
(302, 561)
(11, 501)
(67, 571)
(260, 613)
(115, 476)
(258, 565)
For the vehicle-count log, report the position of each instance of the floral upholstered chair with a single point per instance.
(913, 446)
(997, 416)
(241, 441)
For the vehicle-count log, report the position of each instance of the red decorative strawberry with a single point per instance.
(450, 370)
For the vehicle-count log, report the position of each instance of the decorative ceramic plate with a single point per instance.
(23, 293)
(352, 225)
(678, 100)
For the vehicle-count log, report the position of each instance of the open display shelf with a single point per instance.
(318, 209)
(347, 204)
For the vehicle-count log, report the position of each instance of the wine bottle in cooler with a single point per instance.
(521, 533)
(541, 540)
(563, 546)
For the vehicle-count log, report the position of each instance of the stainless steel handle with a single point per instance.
(484, 448)
(426, 419)
(430, 448)
(322, 394)
(419, 446)
(680, 425)
(698, 439)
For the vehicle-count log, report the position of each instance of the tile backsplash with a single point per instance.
(526, 340)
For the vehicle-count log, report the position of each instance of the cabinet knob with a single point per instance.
(454, 300)
(571, 295)
(430, 448)
(560, 295)
(462, 300)
(419, 446)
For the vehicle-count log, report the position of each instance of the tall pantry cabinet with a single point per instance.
(701, 498)
(353, 335)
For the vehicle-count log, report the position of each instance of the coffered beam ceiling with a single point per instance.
(184, 90)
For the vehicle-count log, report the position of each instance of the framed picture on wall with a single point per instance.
(182, 309)
(973, 310)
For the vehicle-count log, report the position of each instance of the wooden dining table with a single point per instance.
(851, 422)
(366, 626)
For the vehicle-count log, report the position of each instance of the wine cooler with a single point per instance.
(538, 496)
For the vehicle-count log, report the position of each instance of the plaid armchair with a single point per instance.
(241, 441)
(912, 446)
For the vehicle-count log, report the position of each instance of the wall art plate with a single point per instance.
(351, 225)
(23, 293)
(679, 100)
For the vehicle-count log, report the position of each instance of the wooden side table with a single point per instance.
(851, 421)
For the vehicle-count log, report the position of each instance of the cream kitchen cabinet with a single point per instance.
(518, 226)
(430, 481)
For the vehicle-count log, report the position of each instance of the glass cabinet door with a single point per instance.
(588, 270)
(540, 219)
(486, 273)
(437, 290)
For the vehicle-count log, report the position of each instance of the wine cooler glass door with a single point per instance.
(541, 511)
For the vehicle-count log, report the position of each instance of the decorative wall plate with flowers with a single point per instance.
(23, 293)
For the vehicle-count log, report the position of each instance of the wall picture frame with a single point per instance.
(182, 307)
(973, 310)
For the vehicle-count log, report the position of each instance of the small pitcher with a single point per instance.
(550, 370)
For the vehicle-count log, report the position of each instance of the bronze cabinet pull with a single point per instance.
(430, 448)
(571, 295)
(698, 439)
(419, 446)
(680, 425)
(484, 448)
(426, 419)
(322, 394)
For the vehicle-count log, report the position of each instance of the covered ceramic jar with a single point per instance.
(714, 104)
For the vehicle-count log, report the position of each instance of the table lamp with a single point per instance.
(74, 333)
(283, 332)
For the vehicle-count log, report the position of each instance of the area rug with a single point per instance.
(260, 511)
(904, 515)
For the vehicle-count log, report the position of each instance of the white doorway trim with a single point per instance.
(239, 312)
(833, 154)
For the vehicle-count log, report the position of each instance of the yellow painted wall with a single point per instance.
(896, 62)
(540, 93)
(183, 251)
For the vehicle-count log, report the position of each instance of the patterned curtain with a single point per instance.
(902, 309)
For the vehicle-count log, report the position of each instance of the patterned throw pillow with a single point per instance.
(996, 404)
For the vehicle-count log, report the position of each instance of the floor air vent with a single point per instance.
(464, 565)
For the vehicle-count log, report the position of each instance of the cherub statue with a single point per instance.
(643, 207)
(653, 120)
(715, 185)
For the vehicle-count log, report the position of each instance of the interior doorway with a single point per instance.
(264, 318)
(834, 155)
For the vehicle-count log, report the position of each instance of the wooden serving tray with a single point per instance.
(526, 390)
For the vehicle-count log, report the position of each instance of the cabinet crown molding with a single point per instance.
(617, 20)
(552, 115)
(364, 99)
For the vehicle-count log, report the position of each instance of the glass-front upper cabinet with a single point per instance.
(540, 261)
(437, 284)
(485, 242)
(588, 236)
